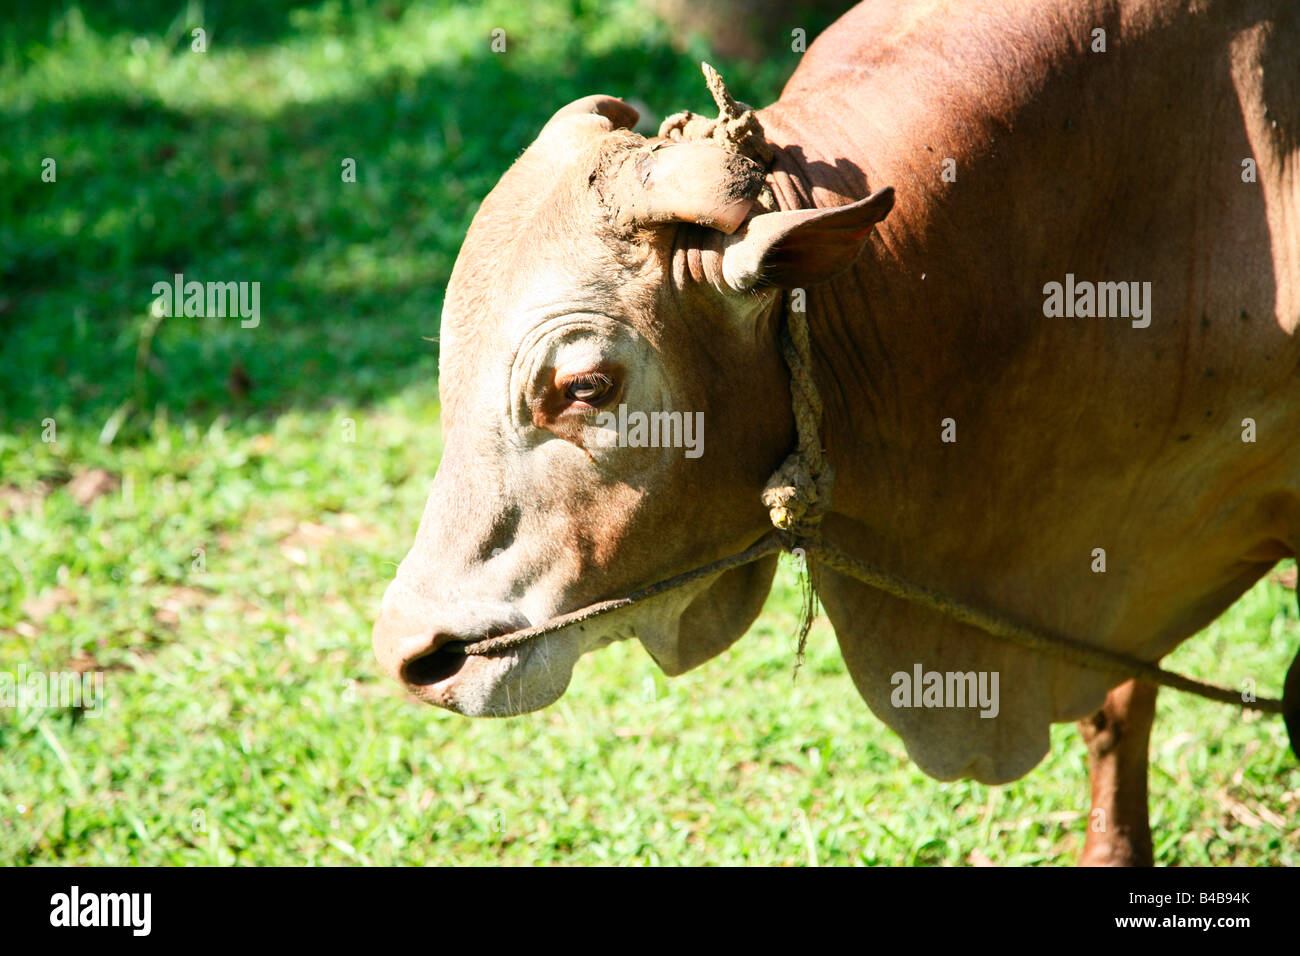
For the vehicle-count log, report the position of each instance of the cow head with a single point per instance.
(605, 279)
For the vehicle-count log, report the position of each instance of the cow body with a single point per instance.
(1072, 433)
(1020, 158)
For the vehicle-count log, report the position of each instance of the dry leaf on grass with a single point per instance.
(37, 609)
(91, 484)
(15, 500)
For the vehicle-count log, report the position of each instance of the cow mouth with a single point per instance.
(438, 665)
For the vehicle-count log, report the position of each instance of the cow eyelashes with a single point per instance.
(589, 388)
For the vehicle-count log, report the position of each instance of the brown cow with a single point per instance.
(1059, 377)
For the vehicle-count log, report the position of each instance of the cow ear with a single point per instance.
(803, 246)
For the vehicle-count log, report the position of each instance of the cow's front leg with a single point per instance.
(1119, 833)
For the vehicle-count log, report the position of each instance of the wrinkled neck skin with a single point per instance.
(1071, 434)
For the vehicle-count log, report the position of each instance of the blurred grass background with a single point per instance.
(205, 532)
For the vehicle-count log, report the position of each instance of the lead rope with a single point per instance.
(798, 496)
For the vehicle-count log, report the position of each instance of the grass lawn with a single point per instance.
(221, 508)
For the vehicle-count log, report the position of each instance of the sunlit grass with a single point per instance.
(243, 696)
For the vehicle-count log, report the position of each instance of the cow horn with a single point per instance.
(617, 113)
(686, 182)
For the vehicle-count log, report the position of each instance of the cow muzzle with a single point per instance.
(422, 653)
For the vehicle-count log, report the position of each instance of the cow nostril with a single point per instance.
(437, 665)
(435, 655)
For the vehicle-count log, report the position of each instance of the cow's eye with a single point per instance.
(590, 388)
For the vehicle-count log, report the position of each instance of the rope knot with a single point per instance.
(797, 498)
(798, 494)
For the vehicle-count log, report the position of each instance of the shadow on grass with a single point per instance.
(351, 274)
(235, 22)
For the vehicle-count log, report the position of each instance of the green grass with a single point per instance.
(245, 720)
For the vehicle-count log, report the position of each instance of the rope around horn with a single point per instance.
(736, 129)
